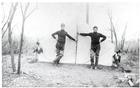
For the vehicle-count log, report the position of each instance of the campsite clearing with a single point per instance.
(43, 74)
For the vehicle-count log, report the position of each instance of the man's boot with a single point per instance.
(96, 62)
(92, 63)
(55, 61)
(58, 59)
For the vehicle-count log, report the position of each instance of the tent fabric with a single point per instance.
(83, 50)
(107, 51)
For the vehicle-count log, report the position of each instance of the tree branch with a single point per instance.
(4, 25)
(30, 13)
(4, 33)
(3, 12)
(14, 9)
(113, 29)
(21, 10)
(26, 8)
(8, 17)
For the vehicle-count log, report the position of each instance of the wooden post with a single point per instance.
(87, 13)
(76, 42)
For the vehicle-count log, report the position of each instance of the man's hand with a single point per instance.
(76, 40)
(56, 39)
(100, 41)
(78, 33)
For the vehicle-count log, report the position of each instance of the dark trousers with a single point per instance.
(116, 60)
(94, 55)
(59, 52)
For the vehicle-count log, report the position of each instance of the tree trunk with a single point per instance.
(114, 31)
(111, 35)
(123, 38)
(11, 48)
(20, 51)
(10, 36)
(24, 15)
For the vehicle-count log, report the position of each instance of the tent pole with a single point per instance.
(87, 21)
(76, 42)
(87, 13)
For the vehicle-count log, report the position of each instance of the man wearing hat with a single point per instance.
(61, 42)
(95, 45)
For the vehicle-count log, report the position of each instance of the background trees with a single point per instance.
(25, 15)
(11, 45)
(7, 27)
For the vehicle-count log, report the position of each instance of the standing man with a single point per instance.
(61, 42)
(95, 45)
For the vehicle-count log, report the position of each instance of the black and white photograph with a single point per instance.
(70, 44)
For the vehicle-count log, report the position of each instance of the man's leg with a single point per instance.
(59, 52)
(117, 63)
(96, 61)
(59, 56)
(92, 54)
(97, 55)
(114, 64)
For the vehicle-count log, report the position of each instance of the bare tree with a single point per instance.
(9, 23)
(111, 28)
(123, 38)
(113, 31)
(24, 17)
(5, 23)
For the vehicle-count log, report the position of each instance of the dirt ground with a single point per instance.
(44, 74)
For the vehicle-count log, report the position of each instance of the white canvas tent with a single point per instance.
(83, 50)
(83, 53)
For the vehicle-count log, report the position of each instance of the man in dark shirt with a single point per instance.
(61, 42)
(38, 49)
(117, 59)
(95, 45)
